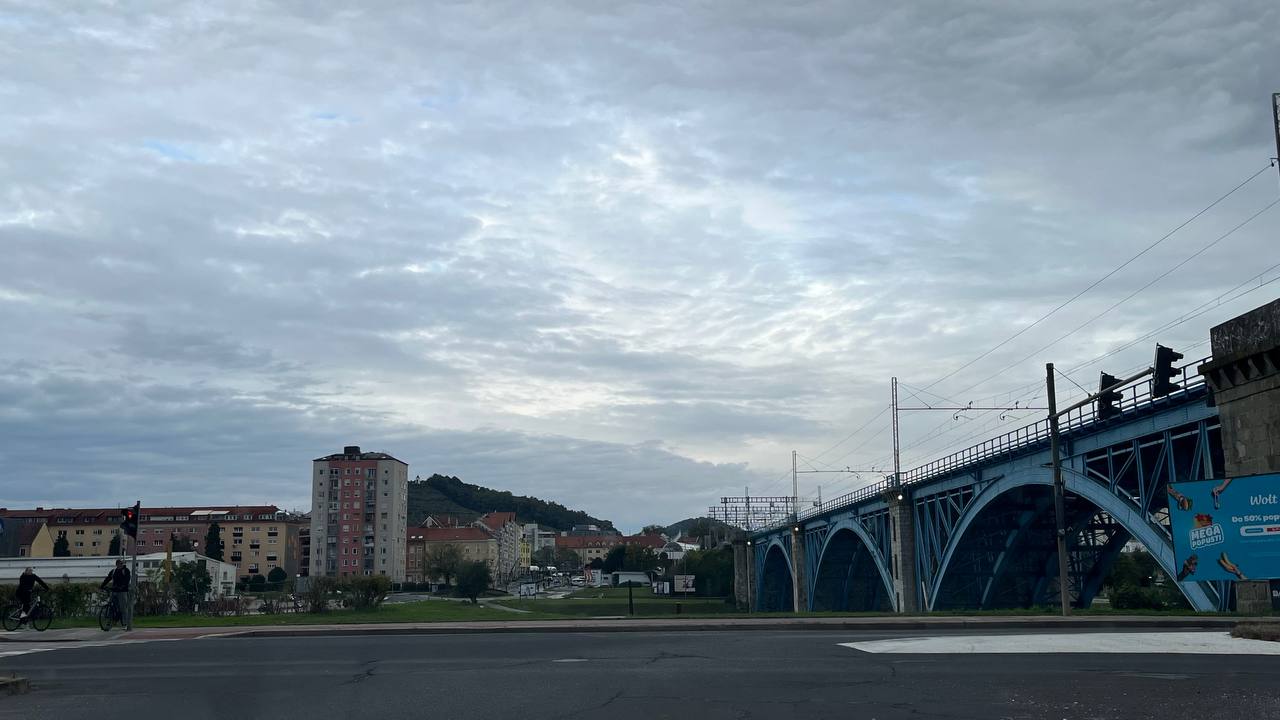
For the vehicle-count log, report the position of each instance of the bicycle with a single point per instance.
(40, 617)
(109, 614)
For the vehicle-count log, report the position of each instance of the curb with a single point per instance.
(971, 624)
(624, 626)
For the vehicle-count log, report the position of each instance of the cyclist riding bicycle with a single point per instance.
(118, 579)
(26, 584)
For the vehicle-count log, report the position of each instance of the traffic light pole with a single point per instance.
(133, 584)
(1059, 493)
(1059, 486)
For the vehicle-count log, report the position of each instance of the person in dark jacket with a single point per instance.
(118, 580)
(26, 584)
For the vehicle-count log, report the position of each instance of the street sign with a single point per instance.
(1226, 529)
(684, 583)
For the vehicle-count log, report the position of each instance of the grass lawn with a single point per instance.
(426, 611)
(591, 602)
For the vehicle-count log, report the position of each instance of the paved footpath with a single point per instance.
(878, 623)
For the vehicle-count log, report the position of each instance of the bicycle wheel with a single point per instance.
(12, 617)
(41, 617)
(105, 617)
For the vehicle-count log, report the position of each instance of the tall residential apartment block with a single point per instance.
(359, 504)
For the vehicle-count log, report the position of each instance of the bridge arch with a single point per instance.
(1021, 497)
(776, 585)
(850, 574)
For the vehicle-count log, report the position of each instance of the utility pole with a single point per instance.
(897, 460)
(1059, 493)
(1275, 116)
(795, 490)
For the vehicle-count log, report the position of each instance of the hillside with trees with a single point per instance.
(441, 495)
(697, 528)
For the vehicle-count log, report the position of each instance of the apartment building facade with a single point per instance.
(359, 506)
(505, 529)
(255, 538)
(474, 542)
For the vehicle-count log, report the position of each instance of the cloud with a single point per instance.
(625, 257)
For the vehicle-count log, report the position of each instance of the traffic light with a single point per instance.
(1108, 402)
(1162, 383)
(130, 524)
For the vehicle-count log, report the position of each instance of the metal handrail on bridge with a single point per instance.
(1134, 397)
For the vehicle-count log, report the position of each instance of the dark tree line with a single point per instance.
(480, 500)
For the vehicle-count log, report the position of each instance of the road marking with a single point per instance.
(10, 648)
(26, 650)
(1186, 643)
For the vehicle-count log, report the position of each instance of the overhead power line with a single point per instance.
(1127, 298)
(1102, 279)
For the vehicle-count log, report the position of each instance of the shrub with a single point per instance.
(72, 599)
(473, 579)
(1130, 597)
(366, 592)
(226, 606)
(317, 593)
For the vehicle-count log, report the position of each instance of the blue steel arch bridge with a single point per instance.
(976, 529)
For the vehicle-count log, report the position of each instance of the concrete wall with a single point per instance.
(1245, 377)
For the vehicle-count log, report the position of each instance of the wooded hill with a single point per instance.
(441, 495)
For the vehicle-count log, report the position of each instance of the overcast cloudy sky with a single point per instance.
(622, 256)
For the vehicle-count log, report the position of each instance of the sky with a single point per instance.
(623, 256)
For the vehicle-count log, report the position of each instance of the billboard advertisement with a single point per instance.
(1226, 529)
(684, 583)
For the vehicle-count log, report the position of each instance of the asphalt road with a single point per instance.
(702, 675)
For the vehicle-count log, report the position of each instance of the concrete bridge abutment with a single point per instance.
(1245, 377)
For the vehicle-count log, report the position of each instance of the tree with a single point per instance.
(181, 543)
(257, 583)
(213, 542)
(713, 570)
(567, 559)
(442, 561)
(653, 530)
(639, 558)
(615, 559)
(473, 579)
(545, 556)
(61, 548)
(277, 575)
(191, 584)
(114, 548)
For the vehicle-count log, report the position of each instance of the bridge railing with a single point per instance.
(1132, 398)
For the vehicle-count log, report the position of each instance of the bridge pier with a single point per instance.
(743, 583)
(799, 577)
(1245, 377)
(903, 561)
